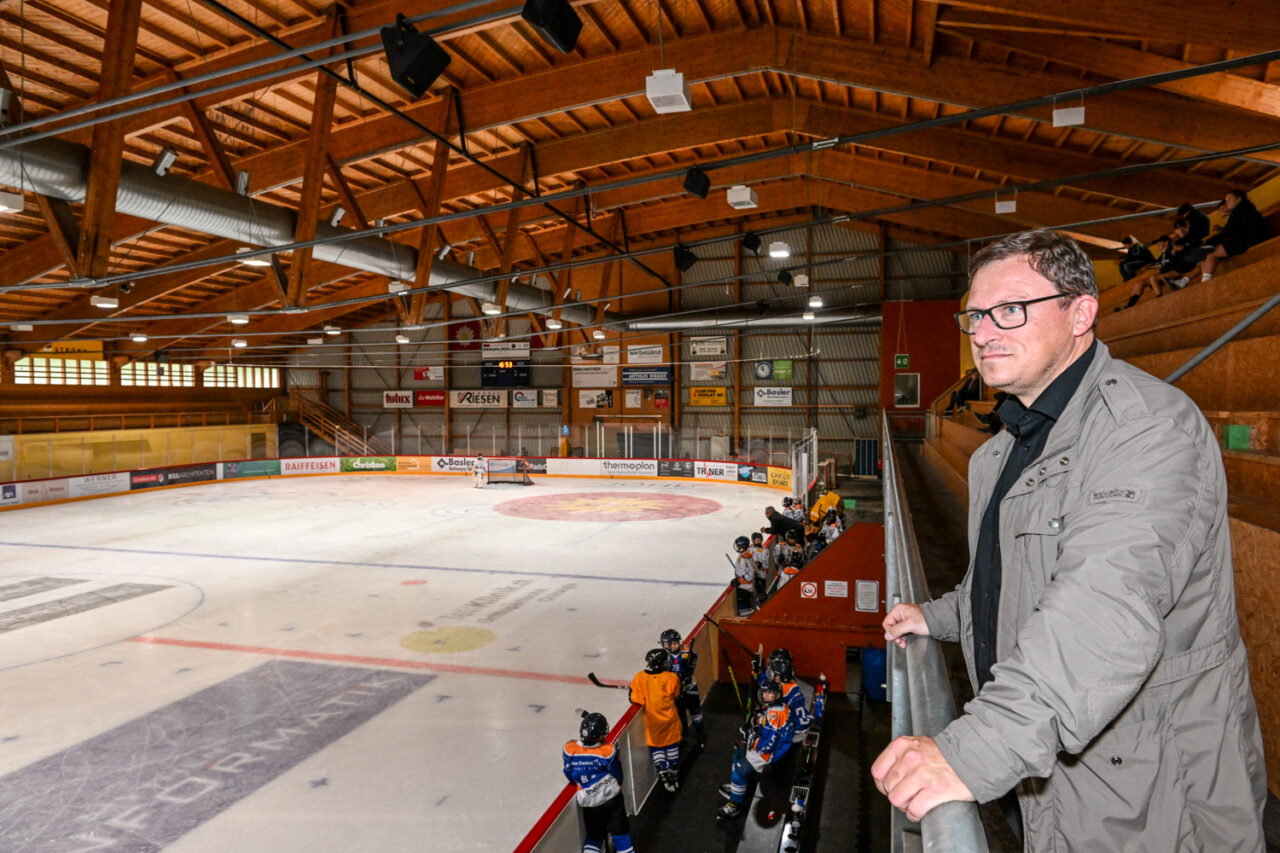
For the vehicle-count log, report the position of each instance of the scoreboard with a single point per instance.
(504, 373)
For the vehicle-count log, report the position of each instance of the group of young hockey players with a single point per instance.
(761, 570)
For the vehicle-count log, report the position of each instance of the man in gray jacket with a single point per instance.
(1098, 617)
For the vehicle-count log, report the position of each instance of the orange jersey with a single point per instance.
(657, 692)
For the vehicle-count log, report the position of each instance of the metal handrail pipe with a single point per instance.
(1226, 337)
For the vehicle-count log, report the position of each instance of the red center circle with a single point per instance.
(608, 506)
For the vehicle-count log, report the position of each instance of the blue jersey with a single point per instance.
(793, 696)
(772, 737)
(595, 770)
(683, 663)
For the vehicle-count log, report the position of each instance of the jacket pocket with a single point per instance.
(1036, 536)
(1121, 794)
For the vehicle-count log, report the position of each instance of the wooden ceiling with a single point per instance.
(768, 77)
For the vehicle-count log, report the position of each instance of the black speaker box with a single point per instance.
(413, 58)
(696, 182)
(555, 21)
(684, 258)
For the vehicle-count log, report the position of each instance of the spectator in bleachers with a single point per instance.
(1178, 257)
(1197, 224)
(1134, 256)
(1245, 228)
(971, 389)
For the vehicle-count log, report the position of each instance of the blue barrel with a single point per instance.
(873, 674)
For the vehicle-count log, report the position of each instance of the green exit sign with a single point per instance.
(901, 361)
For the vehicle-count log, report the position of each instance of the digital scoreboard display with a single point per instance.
(504, 374)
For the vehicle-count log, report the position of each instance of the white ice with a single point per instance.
(330, 569)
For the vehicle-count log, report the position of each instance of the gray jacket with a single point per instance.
(1120, 703)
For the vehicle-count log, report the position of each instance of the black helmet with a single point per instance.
(780, 654)
(594, 729)
(669, 636)
(788, 501)
(757, 537)
(782, 670)
(771, 686)
(655, 660)
(831, 515)
(741, 544)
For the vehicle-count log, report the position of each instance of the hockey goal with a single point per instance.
(509, 469)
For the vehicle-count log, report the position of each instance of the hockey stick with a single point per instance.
(733, 679)
(598, 683)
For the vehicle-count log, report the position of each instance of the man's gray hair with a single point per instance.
(1051, 253)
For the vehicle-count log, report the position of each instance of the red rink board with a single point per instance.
(608, 506)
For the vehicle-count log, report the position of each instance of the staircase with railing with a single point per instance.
(347, 437)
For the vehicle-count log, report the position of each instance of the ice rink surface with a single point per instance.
(338, 663)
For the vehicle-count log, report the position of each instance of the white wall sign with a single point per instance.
(708, 371)
(633, 398)
(808, 589)
(707, 346)
(867, 596)
(498, 350)
(609, 354)
(524, 398)
(6, 448)
(485, 399)
(768, 396)
(551, 398)
(835, 589)
(594, 376)
(644, 354)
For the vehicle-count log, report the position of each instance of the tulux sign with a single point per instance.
(397, 399)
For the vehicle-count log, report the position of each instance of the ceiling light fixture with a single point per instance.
(242, 182)
(10, 202)
(779, 249)
(255, 261)
(667, 92)
(815, 301)
(21, 327)
(239, 343)
(394, 286)
(598, 334)
(164, 161)
(336, 216)
(104, 302)
(238, 319)
(138, 338)
(800, 280)
(316, 341)
(332, 330)
(491, 309)
(808, 315)
(552, 324)
(742, 197)
(402, 339)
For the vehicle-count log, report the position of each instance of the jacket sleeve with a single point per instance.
(1128, 544)
(942, 615)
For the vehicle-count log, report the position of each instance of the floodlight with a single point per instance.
(779, 249)
(104, 302)
(238, 319)
(239, 343)
(164, 161)
(668, 92)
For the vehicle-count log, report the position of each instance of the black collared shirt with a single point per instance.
(1030, 427)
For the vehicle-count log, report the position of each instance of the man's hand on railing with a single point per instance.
(915, 776)
(904, 619)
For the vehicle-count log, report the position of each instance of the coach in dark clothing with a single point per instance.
(779, 524)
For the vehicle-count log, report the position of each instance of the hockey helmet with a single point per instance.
(741, 544)
(594, 728)
(670, 637)
(655, 660)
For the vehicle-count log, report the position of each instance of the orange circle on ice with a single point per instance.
(608, 506)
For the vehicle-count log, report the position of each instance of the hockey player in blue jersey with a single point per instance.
(767, 742)
(683, 662)
(781, 670)
(591, 763)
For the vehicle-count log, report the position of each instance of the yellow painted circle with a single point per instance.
(461, 639)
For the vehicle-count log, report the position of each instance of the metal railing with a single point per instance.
(918, 685)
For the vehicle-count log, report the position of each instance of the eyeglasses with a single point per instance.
(1006, 315)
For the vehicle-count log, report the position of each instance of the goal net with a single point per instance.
(509, 469)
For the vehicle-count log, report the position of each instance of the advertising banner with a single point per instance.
(504, 350)
(675, 468)
(574, 467)
(715, 470)
(413, 464)
(8, 494)
(34, 491)
(153, 477)
(646, 375)
(708, 371)
(551, 398)
(610, 354)
(397, 399)
(311, 465)
(431, 373)
(6, 448)
(644, 354)
(707, 346)
(99, 484)
(629, 467)
(429, 398)
(767, 396)
(537, 465)
(594, 376)
(595, 399)
(368, 463)
(753, 473)
(451, 464)
(662, 399)
(489, 398)
(524, 398)
(782, 371)
(633, 400)
(779, 477)
(707, 397)
(251, 468)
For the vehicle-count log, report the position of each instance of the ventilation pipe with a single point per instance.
(755, 320)
(59, 169)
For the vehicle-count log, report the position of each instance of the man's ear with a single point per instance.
(1086, 313)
